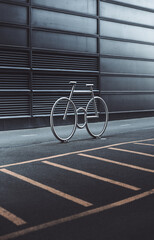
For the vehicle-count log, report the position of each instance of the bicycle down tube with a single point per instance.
(71, 94)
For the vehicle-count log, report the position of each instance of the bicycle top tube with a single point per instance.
(73, 91)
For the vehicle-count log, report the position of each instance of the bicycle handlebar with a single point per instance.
(89, 85)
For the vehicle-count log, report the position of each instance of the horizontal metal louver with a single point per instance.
(11, 80)
(61, 82)
(14, 105)
(43, 103)
(53, 61)
(81, 101)
(11, 58)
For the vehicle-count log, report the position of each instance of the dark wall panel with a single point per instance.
(125, 31)
(140, 3)
(126, 49)
(126, 14)
(13, 14)
(59, 41)
(129, 83)
(114, 65)
(83, 6)
(13, 36)
(62, 21)
(129, 102)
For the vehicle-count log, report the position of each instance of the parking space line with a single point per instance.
(11, 217)
(129, 151)
(47, 188)
(124, 185)
(115, 162)
(146, 144)
(76, 216)
(145, 140)
(71, 153)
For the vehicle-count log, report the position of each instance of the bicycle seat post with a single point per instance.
(91, 89)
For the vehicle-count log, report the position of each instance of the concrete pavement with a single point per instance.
(85, 189)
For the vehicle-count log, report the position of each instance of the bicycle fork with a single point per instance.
(94, 102)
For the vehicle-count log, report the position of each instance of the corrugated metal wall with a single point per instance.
(45, 44)
(127, 54)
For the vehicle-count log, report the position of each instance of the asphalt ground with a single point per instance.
(87, 189)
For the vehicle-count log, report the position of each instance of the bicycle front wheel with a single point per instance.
(63, 122)
(96, 116)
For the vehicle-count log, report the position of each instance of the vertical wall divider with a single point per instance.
(98, 45)
(30, 59)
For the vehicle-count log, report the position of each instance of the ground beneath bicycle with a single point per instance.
(85, 189)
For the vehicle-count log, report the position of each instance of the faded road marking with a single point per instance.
(118, 163)
(11, 217)
(146, 144)
(47, 188)
(125, 125)
(28, 135)
(76, 216)
(124, 185)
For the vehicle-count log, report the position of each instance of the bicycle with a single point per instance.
(64, 112)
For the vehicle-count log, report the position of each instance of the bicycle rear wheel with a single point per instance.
(63, 128)
(96, 116)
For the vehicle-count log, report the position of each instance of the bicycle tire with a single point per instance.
(63, 129)
(96, 125)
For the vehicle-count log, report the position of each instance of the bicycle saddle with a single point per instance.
(72, 82)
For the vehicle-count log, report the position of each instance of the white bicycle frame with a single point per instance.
(94, 114)
(70, 98)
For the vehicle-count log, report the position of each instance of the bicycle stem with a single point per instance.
(95, 106)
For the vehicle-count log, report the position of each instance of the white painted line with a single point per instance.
(76, 216)
(11, 217)
(47, 188)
